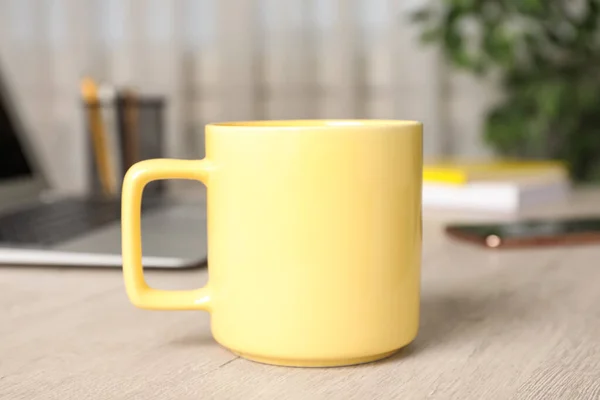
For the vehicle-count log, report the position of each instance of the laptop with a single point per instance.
(38, 227)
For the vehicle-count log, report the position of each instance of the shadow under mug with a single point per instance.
(314, 238)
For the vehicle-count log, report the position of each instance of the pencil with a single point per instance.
(107, 94)
(89, 92)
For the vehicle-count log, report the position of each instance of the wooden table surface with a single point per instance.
(495, 325)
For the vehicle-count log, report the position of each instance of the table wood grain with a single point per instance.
(511, 324)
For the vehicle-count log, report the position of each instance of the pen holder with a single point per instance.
(133, 131)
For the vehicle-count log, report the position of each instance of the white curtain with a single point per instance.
(229, 60)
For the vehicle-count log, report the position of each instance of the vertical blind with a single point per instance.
(229, 60)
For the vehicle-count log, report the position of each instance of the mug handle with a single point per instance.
(138, 291)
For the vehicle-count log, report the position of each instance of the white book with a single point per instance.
(498, 196)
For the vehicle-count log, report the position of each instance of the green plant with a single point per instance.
(546, 55)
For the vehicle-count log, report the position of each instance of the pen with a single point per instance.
(89, 92)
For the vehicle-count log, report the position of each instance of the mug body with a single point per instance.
(314, 239)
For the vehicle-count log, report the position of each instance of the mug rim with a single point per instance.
(326, 124)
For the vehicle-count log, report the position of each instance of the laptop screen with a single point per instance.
(13, 163)
(20, 178)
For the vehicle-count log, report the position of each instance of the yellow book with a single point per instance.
(460, 173)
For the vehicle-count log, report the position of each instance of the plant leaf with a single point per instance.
(422, 15)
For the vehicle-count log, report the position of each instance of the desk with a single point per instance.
(495, 325)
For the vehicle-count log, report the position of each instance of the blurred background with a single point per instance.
(267, 59)
(230, 60)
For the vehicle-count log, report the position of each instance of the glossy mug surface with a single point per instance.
(314, 238)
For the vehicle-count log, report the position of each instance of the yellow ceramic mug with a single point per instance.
(314, 238)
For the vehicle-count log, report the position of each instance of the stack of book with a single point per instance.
(494, 186)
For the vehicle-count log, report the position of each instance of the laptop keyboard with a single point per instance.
(51, 223)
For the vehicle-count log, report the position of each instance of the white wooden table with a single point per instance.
(495, 325)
